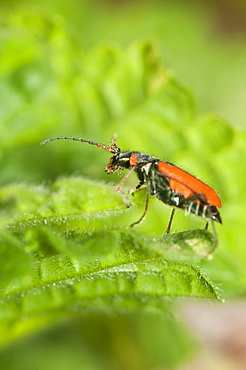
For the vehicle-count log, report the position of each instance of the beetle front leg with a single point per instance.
(125, 178)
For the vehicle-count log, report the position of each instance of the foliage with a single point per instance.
(61, 252)
(66, 248)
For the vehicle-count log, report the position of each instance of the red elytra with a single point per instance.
(181, 177)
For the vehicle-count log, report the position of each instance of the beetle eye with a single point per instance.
(117, 164)
(113, 165)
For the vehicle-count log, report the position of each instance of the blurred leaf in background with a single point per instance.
(90, 69)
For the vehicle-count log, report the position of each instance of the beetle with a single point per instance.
(164, 180)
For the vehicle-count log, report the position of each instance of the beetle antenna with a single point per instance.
(112, 148)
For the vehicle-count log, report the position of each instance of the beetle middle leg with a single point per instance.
(145, 209)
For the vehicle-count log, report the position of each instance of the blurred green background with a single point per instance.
(169, 77)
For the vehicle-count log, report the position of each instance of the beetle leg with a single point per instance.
(170, 222)
(216, 240)
(145, 210)
(141, 183)
(123, 180)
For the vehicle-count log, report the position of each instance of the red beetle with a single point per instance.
(169, 183)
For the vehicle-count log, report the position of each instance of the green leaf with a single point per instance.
(90, 265)
(16, 264)
(67, 198)
(106, 270)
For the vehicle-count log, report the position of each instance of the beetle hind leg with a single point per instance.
(170, 221)
(206, 225)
